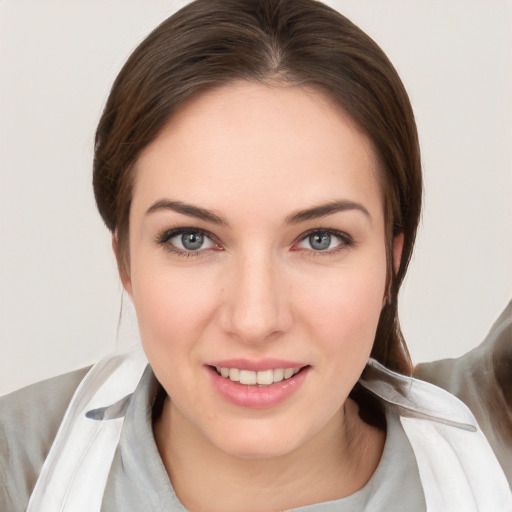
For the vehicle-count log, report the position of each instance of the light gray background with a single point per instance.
(59, 293)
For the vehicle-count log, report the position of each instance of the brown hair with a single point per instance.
(303, 42)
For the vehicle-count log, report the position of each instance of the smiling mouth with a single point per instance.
(260, 378)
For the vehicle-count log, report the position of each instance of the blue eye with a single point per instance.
(320, 241)
(191, 241)
(186, 240)
(324, 241)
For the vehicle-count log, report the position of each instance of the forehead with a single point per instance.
(250, 141)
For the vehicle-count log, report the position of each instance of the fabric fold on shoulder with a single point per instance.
(416, 398)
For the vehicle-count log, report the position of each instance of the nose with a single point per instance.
(256, 306)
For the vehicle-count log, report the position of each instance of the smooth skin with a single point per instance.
(251, 268)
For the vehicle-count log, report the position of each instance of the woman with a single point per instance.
(263, 186)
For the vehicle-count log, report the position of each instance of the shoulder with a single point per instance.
(29, 420)
(445, 438)
(482, 379)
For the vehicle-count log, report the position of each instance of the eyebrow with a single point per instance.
(187, 209)
(323, 210)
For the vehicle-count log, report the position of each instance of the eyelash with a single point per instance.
(163, 239)
(345, 242)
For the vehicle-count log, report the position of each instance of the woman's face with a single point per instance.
(257, 250)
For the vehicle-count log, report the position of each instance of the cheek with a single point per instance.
(344, 307)
(172, 307)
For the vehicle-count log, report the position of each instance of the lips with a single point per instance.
(261, 384)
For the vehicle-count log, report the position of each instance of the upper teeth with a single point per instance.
(263, 378)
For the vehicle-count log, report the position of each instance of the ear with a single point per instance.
(124, 273)
(398, 245)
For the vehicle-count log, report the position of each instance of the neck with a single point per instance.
(333, 464)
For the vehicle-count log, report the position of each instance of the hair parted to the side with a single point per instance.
(276, 42)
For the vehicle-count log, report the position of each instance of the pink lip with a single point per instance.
(256, 366)
(256, 397)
